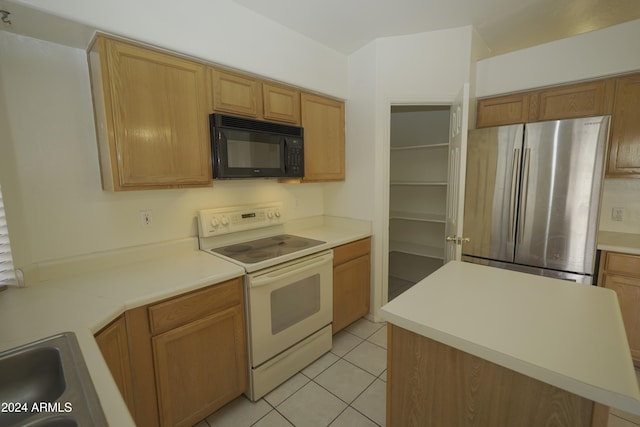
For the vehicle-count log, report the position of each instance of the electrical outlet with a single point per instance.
(617, 214)
(146, 219)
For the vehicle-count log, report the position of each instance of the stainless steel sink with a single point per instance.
(46, 384)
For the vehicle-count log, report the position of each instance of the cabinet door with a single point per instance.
(200, 367)
(628, 290)
(323, 122)
(351, 292)
(114, 345)
(236, 94)
(503, 110)
(567, 102)
(151, 117)
(624, 151)
(281, 104)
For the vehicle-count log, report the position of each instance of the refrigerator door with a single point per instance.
(562, 170)
(491, 191)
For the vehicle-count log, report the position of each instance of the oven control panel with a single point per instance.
(214, 222)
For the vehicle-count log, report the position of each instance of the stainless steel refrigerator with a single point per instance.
(533, 196)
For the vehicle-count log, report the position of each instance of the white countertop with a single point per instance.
(619, 242)
(103, 286)
(565, 334)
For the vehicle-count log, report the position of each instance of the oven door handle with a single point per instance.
(288, 271)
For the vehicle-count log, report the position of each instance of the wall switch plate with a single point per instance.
(617, 214)
(146, 219)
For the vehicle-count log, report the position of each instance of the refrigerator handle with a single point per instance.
(525, 190)
(515, 178)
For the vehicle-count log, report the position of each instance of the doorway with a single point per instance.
(418, 171)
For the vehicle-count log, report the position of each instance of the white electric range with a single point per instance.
(288, 289)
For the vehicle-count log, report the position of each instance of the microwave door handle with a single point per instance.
(285, 153)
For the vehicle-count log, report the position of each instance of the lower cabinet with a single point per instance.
(200, 367)
(351, 283)
(113, 342)
(187, 355)
(621, 273)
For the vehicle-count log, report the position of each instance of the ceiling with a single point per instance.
(504, 25)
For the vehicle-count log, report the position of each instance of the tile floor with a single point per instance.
(345, 387)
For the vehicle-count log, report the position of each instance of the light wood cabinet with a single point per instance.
(281, 103)
(621, 272)
(503, 110)
(113, 342)
(151, 112)
(323, 122)
(351, 283)
(244, 95)
(188, 355)
(572, 101)
(624, 151)
(200, 367)
(236, 94)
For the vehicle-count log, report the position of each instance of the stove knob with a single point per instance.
(277, 214)
(214, 222)
(269, 214)
(224, 221)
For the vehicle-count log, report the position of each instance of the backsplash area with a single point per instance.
(624, 194)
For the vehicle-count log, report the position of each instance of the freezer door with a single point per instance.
(562, 169)
(491, 191)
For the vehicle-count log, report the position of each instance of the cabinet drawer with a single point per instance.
(627, 265)
(195, 305)
(350, 251)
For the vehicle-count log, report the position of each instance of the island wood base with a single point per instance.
(432, 384)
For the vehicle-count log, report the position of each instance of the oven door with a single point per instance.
(287, 303)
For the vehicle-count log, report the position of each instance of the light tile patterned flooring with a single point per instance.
(345, 387)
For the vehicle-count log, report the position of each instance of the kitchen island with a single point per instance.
(475, 345)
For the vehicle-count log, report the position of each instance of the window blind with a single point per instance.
(7, 275)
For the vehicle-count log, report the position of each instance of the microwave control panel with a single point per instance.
(294, 157)
(214, 222)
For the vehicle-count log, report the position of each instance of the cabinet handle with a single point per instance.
(458, 240)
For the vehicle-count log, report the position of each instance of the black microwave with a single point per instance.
(246, 148)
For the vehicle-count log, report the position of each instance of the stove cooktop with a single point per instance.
(255, 251)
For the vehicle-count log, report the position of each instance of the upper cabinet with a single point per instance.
(243, 95)
(236, 94)
(323, 123)
(503, 110)
(152, 116)
(281, 103)
(563, 102)
(567, 102)
(624, 152)
(151, 111)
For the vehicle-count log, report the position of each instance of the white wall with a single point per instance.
(220, 31)
(613, 50)
(425, 68)
(50, 172)
(610, 51)
(621, 193)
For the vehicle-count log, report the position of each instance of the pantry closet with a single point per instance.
(419, 148)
